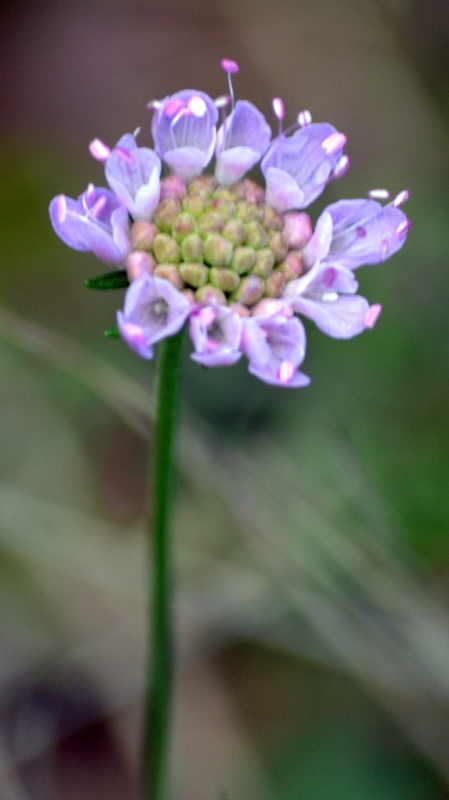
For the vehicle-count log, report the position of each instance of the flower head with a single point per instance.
(238, 260)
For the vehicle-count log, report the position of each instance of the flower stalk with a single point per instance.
(157, 719)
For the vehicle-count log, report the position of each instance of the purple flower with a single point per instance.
(95, 221)
(275, 347)
(184, 131)
(297, 167)
(356, 232)
(133, 173)
(326, 294)
(241, 141)
(153, 310)
(215, 332)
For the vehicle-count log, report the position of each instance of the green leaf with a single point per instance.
(112, 332)
(111, 280)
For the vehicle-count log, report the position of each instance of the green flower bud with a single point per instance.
(243, 259)
(192, 248)
(182, 226)
(165, 249)
(250, 290)
(251, 191)
(293, 266)
(248, 211)
(210, 295)
(224, 208)
(272, 219)
(264, 262)
(277, 245)
(166, 213)
(234, 230)
(142, 234)
(217, 250)
(274, 283)
(202, 183)
(195, 275)
(210, 222)
(195, 204)
(170, 273)
(231, 193)
(224, 278)
(255, 234)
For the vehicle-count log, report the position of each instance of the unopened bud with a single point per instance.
(255, 234)
(225, 208)
(166, 249)
(293, 266)
(189, 294)
(272, 219)
(210, 222)
(251, 191)
(248, 211)
(264, 262)
(170, 273)
(192, 248)
(195, 275)
(277, 245)
(173, 186)
(166, 213)
(234, 230)
(205, 183)
(195, 204)
(297, 229)
(224, 278)
(142, 234)
(210, 295)
(243, 259)
(139, 262)
(217, 250)
(250, 290)
(274, 283)
(231, 193)
(240, 309)
(182, 226)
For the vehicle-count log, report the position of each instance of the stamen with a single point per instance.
(174, 106)
(90, 192)
(403, 227)
(401, 198)
(125, 154)
(304, 118)
(285, 371)
(197, 106)
(136, 132)
(334, 142)
(222, 101)
(99, 150)
(279, 112)
(379, 194)
(341, 166)
(330, 297)
(155, 105)
(62, 208)
(134, 332)
(230, 67)
(384, 250)
(99, 206)
(372, 315)
(361, 231)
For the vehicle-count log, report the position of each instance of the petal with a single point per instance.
(233, 163)
(283, 192)
(127, 171)
(221, 358)
(318, 246)
(246, 126)
(147, 197)
(254, 342)
(342, 318)
(65, 216)
(187, 161)
(134, 336)
(268, 375)
(365, 232)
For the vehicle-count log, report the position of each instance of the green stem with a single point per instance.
(156, 745)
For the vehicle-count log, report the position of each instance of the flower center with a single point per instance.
(219, 245)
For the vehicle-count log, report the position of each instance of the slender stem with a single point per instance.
(156, 745)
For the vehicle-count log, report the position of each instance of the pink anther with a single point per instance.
(285, 371)
(99, 150)
(125, 154)
(379, 194)
(278, 107)
(197, 106)
(341, 166)
(99, 206)
(229, 65)
(403, 227)
(372, 315)
(304, 118)
(334, 142)
(401, 198)
(62, 208)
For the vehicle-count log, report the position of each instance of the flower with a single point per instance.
(133, 174)
(236, 260)
(184, 131)
(95, 221)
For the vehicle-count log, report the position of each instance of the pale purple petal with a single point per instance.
(241, 141)
(309, 156)
(153, 310)
(342, 317)
(216, 333)
(276, 350)
(186, 121)
(283, 192)
(365, 232)
(133, 173)
(318, 246)
(95, 221)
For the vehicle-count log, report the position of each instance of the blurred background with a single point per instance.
(311, 532)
